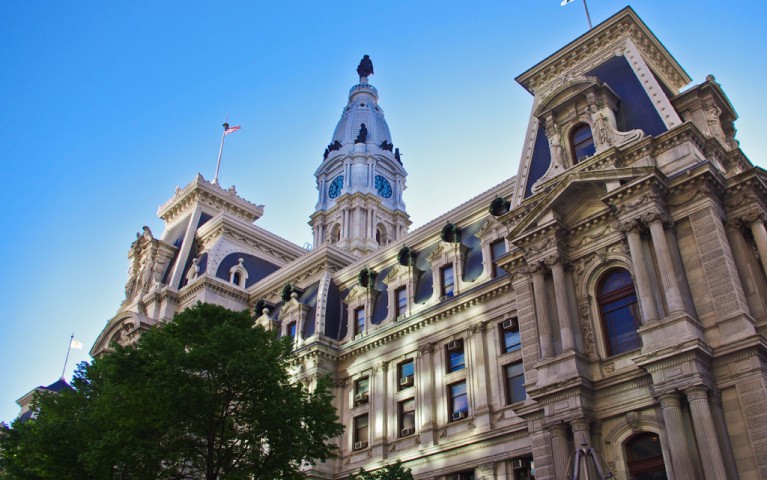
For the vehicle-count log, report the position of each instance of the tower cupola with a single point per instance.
(361, 178)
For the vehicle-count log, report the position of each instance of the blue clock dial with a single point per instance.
(382, 186)
(335, 186)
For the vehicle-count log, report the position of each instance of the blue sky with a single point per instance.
(107, 106)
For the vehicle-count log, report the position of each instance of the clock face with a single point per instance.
(382, 186)
(335, 186)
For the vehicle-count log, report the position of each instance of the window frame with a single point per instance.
(495, 270)
(612, 343)
(401, 374)
(582, 144)
(508, 386)
(357, 430)
(402, 414)
(400, 308)
(359, 323)
(443, 285)
(452, 355)
(451, 400)
(506, 347)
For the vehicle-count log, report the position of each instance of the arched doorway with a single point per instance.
(644, 457)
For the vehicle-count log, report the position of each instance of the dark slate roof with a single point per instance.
(58, 386)
(257, 268)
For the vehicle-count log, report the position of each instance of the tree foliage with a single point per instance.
(389, 472)
(205, 396)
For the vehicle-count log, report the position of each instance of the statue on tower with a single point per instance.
(365, 68)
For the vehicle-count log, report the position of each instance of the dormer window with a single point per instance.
(359, 321)
(447, 280)
(237, 274)
(581, 142)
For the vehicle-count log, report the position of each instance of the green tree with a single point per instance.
(204, 396)
(389, 472)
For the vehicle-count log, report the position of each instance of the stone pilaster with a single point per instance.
(740, 254)
(425, 390)
(665, 263)
(760, 238)
(379, 403)
(477, 357)
(705, 434)
(559, 448)
(641, 274)
(542, 312)
(566, 324)
(581, 432)
(723, 436)
(672, 417)
(752, 394)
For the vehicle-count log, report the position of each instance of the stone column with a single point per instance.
(559, 449)
(741, 253)
(379, 403)
(542, 312)
(563, 305)
(476, 356)
(425, 404)
(720, 425)
(705, 434)
(760, 237)
(641, 275)
(581, 434)
(665, 264)
(672, 417)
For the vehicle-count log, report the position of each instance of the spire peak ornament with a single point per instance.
(365, 68)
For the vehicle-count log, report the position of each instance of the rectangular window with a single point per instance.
(406, 417)
(400, 295)
(361, 390)
(447, 280)
(458, 401)
(510, 339)
(360, 432)
(359, 320)
(456, 360)
(406, 374)
(290, 331)
(497, 249)
(515, 382)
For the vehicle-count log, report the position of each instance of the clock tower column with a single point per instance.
(361, 178)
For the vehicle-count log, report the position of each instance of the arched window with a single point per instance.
(335, 233)
(618, 308)
(581, 142)
(381, 236)
(645, 457)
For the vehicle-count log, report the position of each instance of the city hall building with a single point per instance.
(611, 295)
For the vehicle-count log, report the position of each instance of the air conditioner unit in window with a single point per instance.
(454, 345)
(518, 464)
(510, 324)
(360, 445)
(459, 415)
(361, 397)
(406, 431)
(406, 381)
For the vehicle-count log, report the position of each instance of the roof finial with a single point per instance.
(365, 68)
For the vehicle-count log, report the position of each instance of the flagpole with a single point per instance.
(221, 149)
(66, 360)
(588, 17)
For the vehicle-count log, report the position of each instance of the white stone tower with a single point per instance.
(361, 178)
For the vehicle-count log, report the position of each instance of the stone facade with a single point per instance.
(612, 294)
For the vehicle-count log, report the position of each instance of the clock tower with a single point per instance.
(361, 178)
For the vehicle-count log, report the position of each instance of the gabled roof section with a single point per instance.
(568, 181)
(601, 41)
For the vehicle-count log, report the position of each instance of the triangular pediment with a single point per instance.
(575, 194)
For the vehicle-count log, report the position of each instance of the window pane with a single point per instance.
(406, 369)
(401, 300)
(582, 142)
(459, 401)
(510, 339)
(362, 385)
(359, 321)
(448, 281)
(515, 380)
(497, 249)
(456, 359)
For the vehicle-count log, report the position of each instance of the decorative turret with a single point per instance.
(361, 178)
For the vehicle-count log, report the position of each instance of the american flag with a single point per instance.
(231, 129)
